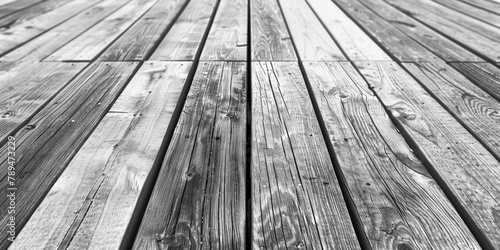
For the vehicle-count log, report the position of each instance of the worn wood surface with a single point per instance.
(474, 108)
(484, 75)
(433, 41)
(453, 29)
(92, 42)
(357, 45)
(64, 125)
(139, 40)
(184, 40)
(296, 199)
(47, 43)
(310, 38)
(130, 133)
(26, 90)
(22, 32)
(199, 198)
(483, 15)
(463, 167)
(13, 7)
(397, 200)
(401, 46)
(227, 39)
(270, 38)
(30, 12)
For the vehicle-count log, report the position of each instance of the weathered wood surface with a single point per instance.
(398, 202)
(398, 44)
(270, 38)
(453, 29)
(484, 75)
(490, 6)
(296, 200)
(310, 38)
(92, 42)
(462, 166)
(31, 12)
(199, 196)
(227, 39)
(433, 41)
(104, 190)
(357, 45)
(483, 15)
(22, 32)
(47, 43)
(139, 40)
(474, 108)
(183, 41)
(12, 7)
(27, 89)
(53, 136)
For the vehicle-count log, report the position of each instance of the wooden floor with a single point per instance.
(250, 124)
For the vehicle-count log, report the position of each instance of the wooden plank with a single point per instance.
(462, 166)
(398, 202)
(21, 33)
(57, 37)
(395, 42)
(227, 39)
(270, 37)
(296, 199)
(474, 108)
(54, 135)
(484, 75)
(357, 45)
(31, 12)
(311, 39)
(183, 41)
(15, 6)
(139, 40)
(430, 39)
(199, 196)
(486, 5)
(88, 45)
(452, 29)
(480, 14)
(27, 90)
(106, 166)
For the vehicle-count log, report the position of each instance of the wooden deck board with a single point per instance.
(139, 40)
(46, 145)
(227, 39)
(199, 198)
(296, 199)
(184, 40)
(399, 203)
(235, 124)
(467, 171)
(92, 42)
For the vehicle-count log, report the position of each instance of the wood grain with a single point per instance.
(199, 197)
(467, 172)
(53, 136)
(184, 39)
(25, 31)
(484, 75)
(483, 15)
(139, 40)
(357, 45)
(433, 41)
(395, 42)
(27, 90)
(296, 199)
(452, 29)
(474, 108)
(47, 43)
(30, 12)
(490, 6)
(400, 205)
(227, 39)
(88, 45)
(12, 7)
(270, 38)
(104, 180)
(311, 40)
